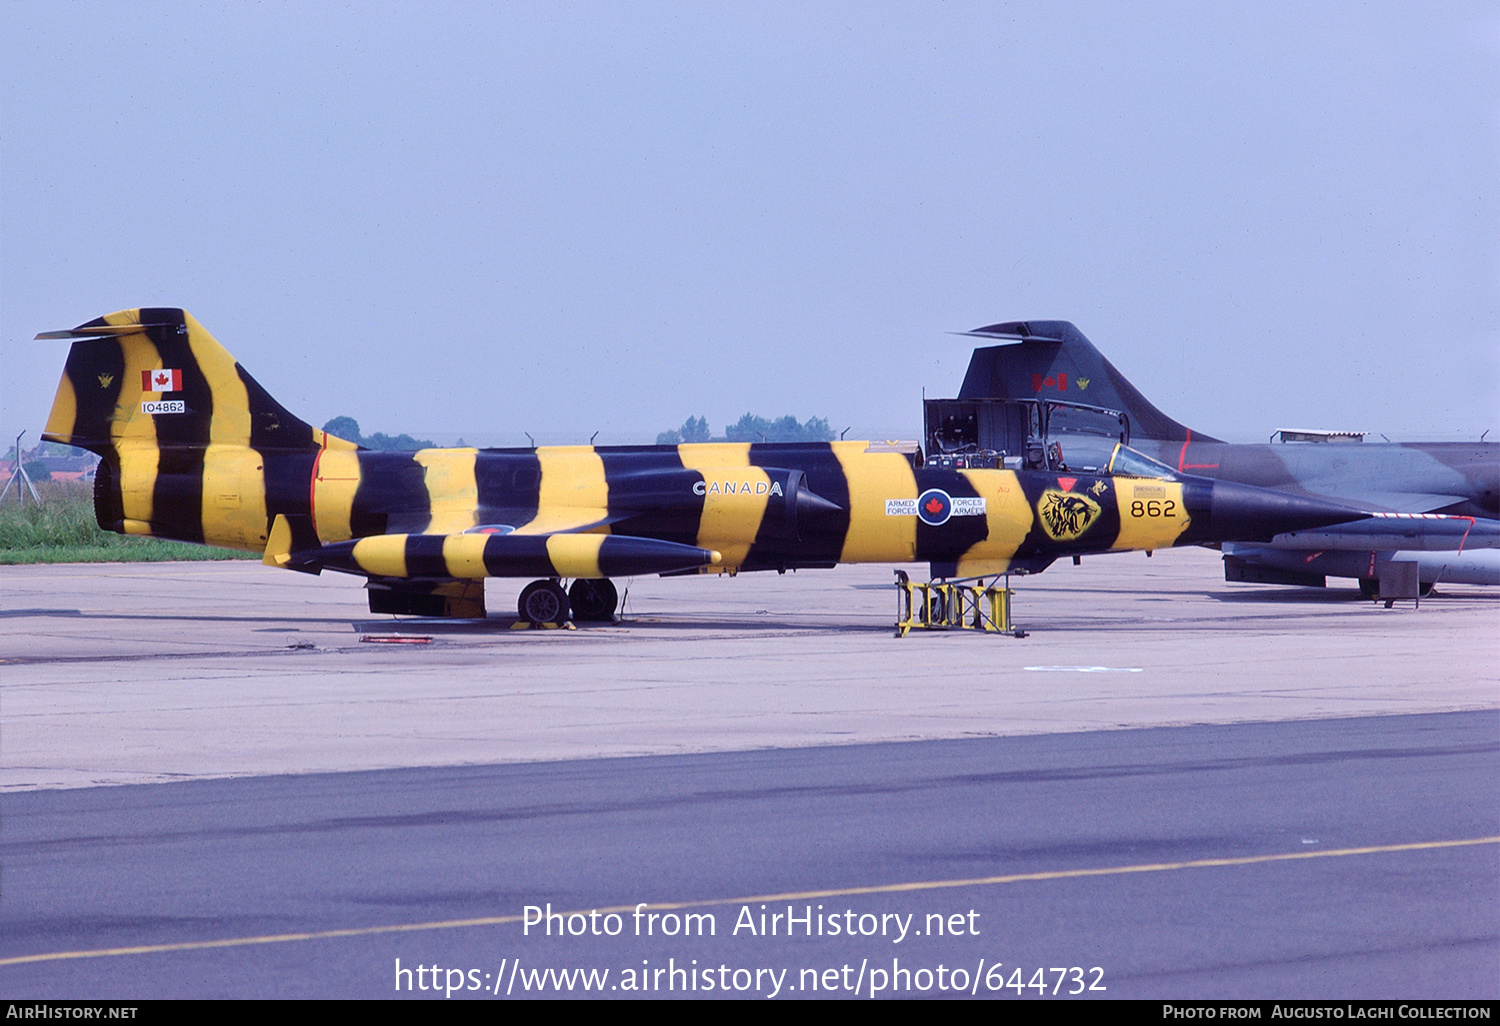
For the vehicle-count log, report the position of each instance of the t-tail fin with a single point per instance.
(184, 434)
(155, 377)
(1053, 360)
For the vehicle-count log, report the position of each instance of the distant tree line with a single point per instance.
(751, 428)
(347, 428)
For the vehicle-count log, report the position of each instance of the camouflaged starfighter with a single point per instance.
(193, 449)
(1439, 500)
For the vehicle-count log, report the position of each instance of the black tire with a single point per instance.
(937, 609)
(1369, 587)
(1425, 590)
(594, 599)
(543, 602)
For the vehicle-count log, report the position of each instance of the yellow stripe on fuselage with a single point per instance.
(573, 493)
(134, 432)
(464, 555)
(383, 555)
(234, 479)
(452, 491)
(335, 480)
(234, 498)
(729, 522)
(1008, 517)
(575, 555)
(734, 505)
(1152, 513)
(701, 455)
(874, 477)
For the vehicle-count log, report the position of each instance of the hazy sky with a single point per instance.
(483, 219)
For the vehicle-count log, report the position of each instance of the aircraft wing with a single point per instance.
(495, 520)
(1395, 502)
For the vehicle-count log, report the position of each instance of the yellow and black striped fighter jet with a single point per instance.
(194, 449)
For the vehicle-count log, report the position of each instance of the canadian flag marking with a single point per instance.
(165, 380)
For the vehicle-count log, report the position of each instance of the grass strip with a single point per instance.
(63, 530)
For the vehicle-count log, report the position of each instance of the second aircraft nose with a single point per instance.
(1226, 511)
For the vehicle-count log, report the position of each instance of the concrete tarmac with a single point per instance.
(134, 673)
(1143, 774)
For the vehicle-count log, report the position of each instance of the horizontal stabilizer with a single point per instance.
(1021, 331)
(98, 329)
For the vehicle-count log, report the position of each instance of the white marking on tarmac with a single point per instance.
(1087, 669)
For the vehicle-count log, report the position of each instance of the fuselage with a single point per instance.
(761, 507)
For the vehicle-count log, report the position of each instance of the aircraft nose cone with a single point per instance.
(1238, 512)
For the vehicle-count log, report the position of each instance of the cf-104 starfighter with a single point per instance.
(193, 449)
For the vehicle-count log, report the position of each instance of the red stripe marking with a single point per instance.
(312, 487)
(1466, 533)
(1183, 464)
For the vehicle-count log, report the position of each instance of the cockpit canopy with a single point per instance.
(1022, 434)
(1126, 462)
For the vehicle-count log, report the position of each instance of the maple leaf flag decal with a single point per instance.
(161, 381)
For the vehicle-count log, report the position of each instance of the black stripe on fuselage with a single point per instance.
(822, 537)
(524, 556)
(287, 451)
(955, 536)
(1100, 533)
(650, 480)
(509, 486)
(424, 556)
(391, 496)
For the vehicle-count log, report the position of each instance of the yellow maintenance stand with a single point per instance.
(967, 605)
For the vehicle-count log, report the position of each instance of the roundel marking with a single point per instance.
(934, 506)
(490, 529)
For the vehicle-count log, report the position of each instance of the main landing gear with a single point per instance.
(589, 600)
(594, 599)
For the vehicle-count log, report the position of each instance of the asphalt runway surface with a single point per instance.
(1355, 857)
(1176, 787)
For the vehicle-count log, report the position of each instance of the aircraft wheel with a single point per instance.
(1369, 587)
(937, 609)
(543, 602)
(1426, 589)
(594, 599)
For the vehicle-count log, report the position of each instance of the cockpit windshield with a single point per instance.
(1126, 462)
